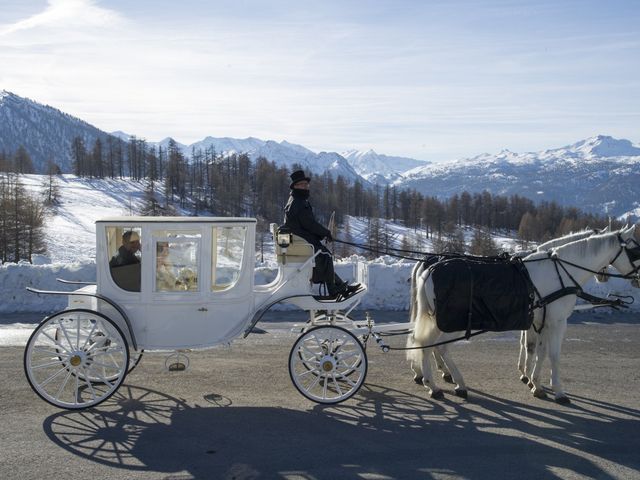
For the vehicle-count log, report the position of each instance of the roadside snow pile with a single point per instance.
(387, 280)
(16, 277)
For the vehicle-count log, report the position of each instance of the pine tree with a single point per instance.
(50, 187)
(483, 244)
(22, 161)
(79, 156)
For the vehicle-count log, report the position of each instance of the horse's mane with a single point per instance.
(571, 237)
(589, 246)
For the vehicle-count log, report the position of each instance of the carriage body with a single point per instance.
(190, 285)
(193, 287)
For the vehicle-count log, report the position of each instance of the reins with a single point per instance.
(423, 254)
(542, 301)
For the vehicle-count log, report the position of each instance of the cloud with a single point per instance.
(65, 14)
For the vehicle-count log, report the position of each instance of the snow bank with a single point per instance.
(15, 278)
(387, 280)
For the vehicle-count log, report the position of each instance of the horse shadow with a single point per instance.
(381, 431)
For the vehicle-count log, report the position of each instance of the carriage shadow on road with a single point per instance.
(381, 431)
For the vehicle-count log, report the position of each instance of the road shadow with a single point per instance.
(380, 431)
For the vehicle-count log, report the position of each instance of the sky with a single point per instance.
(428, 79)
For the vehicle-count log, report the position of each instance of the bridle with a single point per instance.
(632, 253)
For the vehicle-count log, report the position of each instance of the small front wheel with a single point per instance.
(76, 359)
(327, 364)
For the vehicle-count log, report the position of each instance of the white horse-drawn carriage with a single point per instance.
(192, 287)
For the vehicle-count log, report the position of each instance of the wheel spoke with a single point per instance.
(66, 335)
(102, 378)
(63, 369)
(93, 328)
(64, 384)
(86, 380)
(307, 372)
(324, 387)
(56, 342)
(55, 353)
(103, 365)
(346, 379)
(349, 355)
(335, 382)
(50, 364)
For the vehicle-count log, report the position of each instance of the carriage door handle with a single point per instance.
(203, 309)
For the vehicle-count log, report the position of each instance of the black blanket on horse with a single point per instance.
(493, 294)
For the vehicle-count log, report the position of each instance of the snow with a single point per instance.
(71, 251)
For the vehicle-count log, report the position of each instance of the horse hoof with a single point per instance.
(563, 400)
(447, 377)
(539, 393)
(437, 395)
(524, 379)
(417, 379)
(530, 385)
(461, 392)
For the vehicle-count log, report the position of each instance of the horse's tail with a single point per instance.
(417, 270)
(423, 314)
(416, 293)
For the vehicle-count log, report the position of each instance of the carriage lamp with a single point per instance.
(283, 239)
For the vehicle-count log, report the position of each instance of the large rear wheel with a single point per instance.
(76, 359)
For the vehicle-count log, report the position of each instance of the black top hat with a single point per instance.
(298, 176)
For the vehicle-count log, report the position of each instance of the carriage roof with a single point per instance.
(141, 219)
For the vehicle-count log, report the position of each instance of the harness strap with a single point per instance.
(457, 339)
(552, 297)
(470, 307)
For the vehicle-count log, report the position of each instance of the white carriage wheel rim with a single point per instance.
(323, 376)
(68, 365)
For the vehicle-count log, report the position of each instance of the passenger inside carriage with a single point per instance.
(125, 265)
(128, 253)
(165, 279)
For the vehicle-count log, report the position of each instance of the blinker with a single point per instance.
(633, 254)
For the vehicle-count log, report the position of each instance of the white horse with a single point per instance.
(529, 338)
(575, 261)
(417, 270)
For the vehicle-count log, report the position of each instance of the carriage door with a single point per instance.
(176, 293)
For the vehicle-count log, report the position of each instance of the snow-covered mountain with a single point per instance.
(283, 153)
(44, 131)
(378, 168)
(599, 174)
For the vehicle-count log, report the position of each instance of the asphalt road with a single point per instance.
(234, 414)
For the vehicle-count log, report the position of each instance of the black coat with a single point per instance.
(299, 218)
(124, 257)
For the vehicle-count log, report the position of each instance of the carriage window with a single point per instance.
(176, 259)
(227, 255)
(124, 254)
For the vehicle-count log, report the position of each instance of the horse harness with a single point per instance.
(432, 259)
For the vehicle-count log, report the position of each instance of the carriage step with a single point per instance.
(178, 361)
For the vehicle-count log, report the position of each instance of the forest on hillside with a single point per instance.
(209, 183)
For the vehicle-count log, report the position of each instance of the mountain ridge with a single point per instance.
(599, 174)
